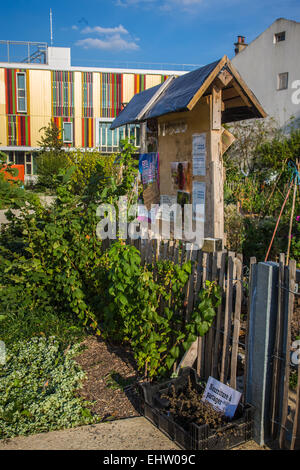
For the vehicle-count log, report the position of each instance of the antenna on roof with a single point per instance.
(51, 33)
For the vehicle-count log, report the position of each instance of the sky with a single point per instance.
(102, 32)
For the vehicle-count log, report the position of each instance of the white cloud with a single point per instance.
(111, 43)
(100, 30)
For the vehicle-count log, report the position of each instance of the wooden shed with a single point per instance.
(183, 122)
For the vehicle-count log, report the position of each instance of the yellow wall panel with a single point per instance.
(152, 80)
(78, 131)
(78, 108)
(128, 87)
(2, 92)
(40, 102)
(3, 120)
(77, 94)
(3, 130)
(96, 94)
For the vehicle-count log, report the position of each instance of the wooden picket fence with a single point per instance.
(285, 403)
(222, 352)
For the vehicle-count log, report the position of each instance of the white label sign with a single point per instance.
(199, 154)
(221, 397)
(199, 201)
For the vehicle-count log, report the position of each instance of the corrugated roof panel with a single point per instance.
(180, 92)
(129, 114)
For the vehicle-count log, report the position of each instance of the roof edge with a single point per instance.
(207, 82)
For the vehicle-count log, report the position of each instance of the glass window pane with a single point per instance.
(20, 158)
(67, 131)
(28, 169)
(109, 136)
(103, 142)
(137, 136)
(121, 133)
(21, 104)
(115, 134)
(21, 80)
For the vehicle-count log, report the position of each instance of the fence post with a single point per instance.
(261, 338)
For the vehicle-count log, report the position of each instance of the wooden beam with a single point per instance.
(207, 83)
(229, 93)
(225, 78)
(216, 108)
(234, 103)
(241, 94)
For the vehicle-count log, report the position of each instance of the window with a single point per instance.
(21, 93)
(28, 167)
(283, 81)
(68, 132)
(21, 158)
(109, 140)
(279, 37)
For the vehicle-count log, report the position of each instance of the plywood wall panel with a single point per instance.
(178, 148)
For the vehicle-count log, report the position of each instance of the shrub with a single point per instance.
(49, 166)
(85, 164)
(37, 389)
(234, 228)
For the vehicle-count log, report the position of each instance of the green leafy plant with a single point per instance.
(37, 389)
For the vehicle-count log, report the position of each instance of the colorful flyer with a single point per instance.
(149, 168)
(180, 173)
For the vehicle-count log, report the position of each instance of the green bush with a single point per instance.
(86, 163)
(234, 228)
(49, 166)
(37, 389)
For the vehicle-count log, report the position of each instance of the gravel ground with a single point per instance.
(124, 434)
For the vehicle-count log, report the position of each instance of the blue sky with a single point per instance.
(152, 31)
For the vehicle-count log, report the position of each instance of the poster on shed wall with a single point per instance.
(180, 174)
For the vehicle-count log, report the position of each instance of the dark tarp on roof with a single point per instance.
(175, 98)
(129, 114)
(180, 92)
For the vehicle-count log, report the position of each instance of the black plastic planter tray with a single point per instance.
(236, 432)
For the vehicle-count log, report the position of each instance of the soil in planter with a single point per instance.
(186, 407)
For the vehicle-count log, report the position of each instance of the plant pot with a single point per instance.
(233, 433)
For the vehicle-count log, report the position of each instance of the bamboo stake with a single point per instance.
(278, 220)
(292, 217)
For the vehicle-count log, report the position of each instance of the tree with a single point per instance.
(52, 158)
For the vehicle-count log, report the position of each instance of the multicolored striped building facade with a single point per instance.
(81, 101)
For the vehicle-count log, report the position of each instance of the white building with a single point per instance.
(271, 67)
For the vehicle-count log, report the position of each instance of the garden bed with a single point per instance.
(175, 407)
(110, 382)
